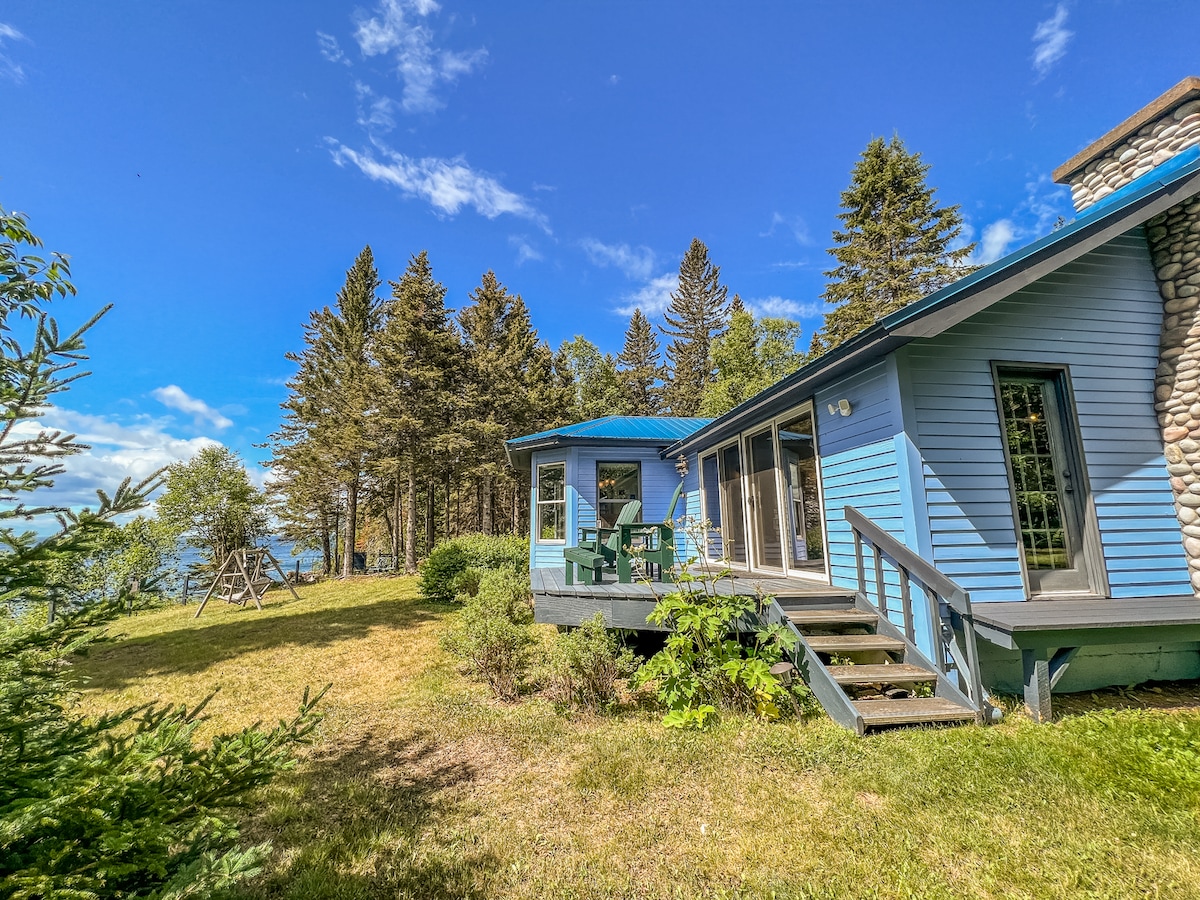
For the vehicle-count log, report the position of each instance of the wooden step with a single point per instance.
(827, 617)
(851, 643)
(913, 711)
(899, 673)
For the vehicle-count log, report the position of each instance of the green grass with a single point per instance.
(421, 786)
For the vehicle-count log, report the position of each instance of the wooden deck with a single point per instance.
(627, 605)
(1050, 632)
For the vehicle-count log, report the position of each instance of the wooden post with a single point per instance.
(186, 580)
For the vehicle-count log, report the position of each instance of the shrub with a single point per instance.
(440, 573)
(703, 665)
(493, 631)
(587, 663)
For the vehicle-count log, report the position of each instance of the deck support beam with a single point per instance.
(1042, 672)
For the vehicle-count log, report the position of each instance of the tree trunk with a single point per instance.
(326, 549)
(430, 509)
(351, 528)
(410, 525)
(446, 479)
(397, 517)
(485, 524)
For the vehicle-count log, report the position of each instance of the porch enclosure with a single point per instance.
(760, 494)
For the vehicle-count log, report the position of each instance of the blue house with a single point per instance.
(1018, 454)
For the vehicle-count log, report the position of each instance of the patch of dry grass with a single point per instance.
(420, 785)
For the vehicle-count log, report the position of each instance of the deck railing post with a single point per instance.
(934, 602)
(910, 630)
(880, 586)
(858, 561)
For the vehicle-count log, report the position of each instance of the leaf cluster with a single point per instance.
(586, 666)
(493, 632)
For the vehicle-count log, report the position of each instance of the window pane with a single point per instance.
(803, 509)
(616, 485)
(552, 482)
(552, 524)
(1035, 478)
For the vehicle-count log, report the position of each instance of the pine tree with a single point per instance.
(331, 393)
(698, 312)
(749, 357)
(419, 354)
(639, 369)
(895, 244)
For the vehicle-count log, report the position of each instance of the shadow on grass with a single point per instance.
(373, 819)
(190, 650)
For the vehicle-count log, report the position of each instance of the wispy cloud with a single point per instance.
(375, 112)
(446, 184)
(331, 49)
(781, 307)
(174, 397)
(997, 238)
(9, 67)
(396, 30)
(1050, 40)
(652, 299)
(635, 262)
(118, 451)
(793, 225)
(526, 252)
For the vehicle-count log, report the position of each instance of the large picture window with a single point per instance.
(552, 502)
(616, 485)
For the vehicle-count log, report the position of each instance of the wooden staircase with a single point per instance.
(863, 669)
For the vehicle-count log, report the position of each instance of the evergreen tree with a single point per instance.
(698, 312)
(749, 357)
(511, 390)
(596, 388)
(419, 355)
(331, 393)
(639, 369)
(894, 247)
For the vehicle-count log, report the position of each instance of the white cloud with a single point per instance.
(1050, 40)
(395, 31)
(174, 397)
(635, 262)
(375, 112)
(446, 184)
(9, 67)
(331, 49)
(652, 299)
(997, 238)
(781, 307)
(795, 225)
(526, 252)
(118, 451)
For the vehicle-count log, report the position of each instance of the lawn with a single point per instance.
(420, 785)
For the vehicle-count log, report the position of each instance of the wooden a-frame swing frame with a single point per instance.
(242, 578)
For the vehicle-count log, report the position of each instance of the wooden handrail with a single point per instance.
(938, 589)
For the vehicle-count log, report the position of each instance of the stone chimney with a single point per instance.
(1147, 139)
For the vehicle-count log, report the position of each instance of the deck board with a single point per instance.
(1069, 623)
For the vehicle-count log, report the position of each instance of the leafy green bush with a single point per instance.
(703, 665)
(441, 573)
(587, 663)
(493, 631)
(125, 805)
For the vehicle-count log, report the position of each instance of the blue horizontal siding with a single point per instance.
(1100, 316)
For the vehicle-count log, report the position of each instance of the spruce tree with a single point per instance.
(595, 386)
(639, 368)
(749, 357)
(331, 393)
(894, 246)
(419, 353)
(698, 313)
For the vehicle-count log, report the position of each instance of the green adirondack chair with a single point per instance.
(651, 542)
(600, 548)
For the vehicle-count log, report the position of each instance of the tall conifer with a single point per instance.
(639, 368)
(698, 312)
(895, 246)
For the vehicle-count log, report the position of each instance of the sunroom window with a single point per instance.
(617, 484)
(552, 502)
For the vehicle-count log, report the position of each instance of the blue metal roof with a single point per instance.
(665, 429)
(1164, 186)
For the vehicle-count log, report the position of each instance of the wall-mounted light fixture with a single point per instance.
(681, 466)
(843, 406)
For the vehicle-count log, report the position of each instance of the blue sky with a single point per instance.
(212, 168)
